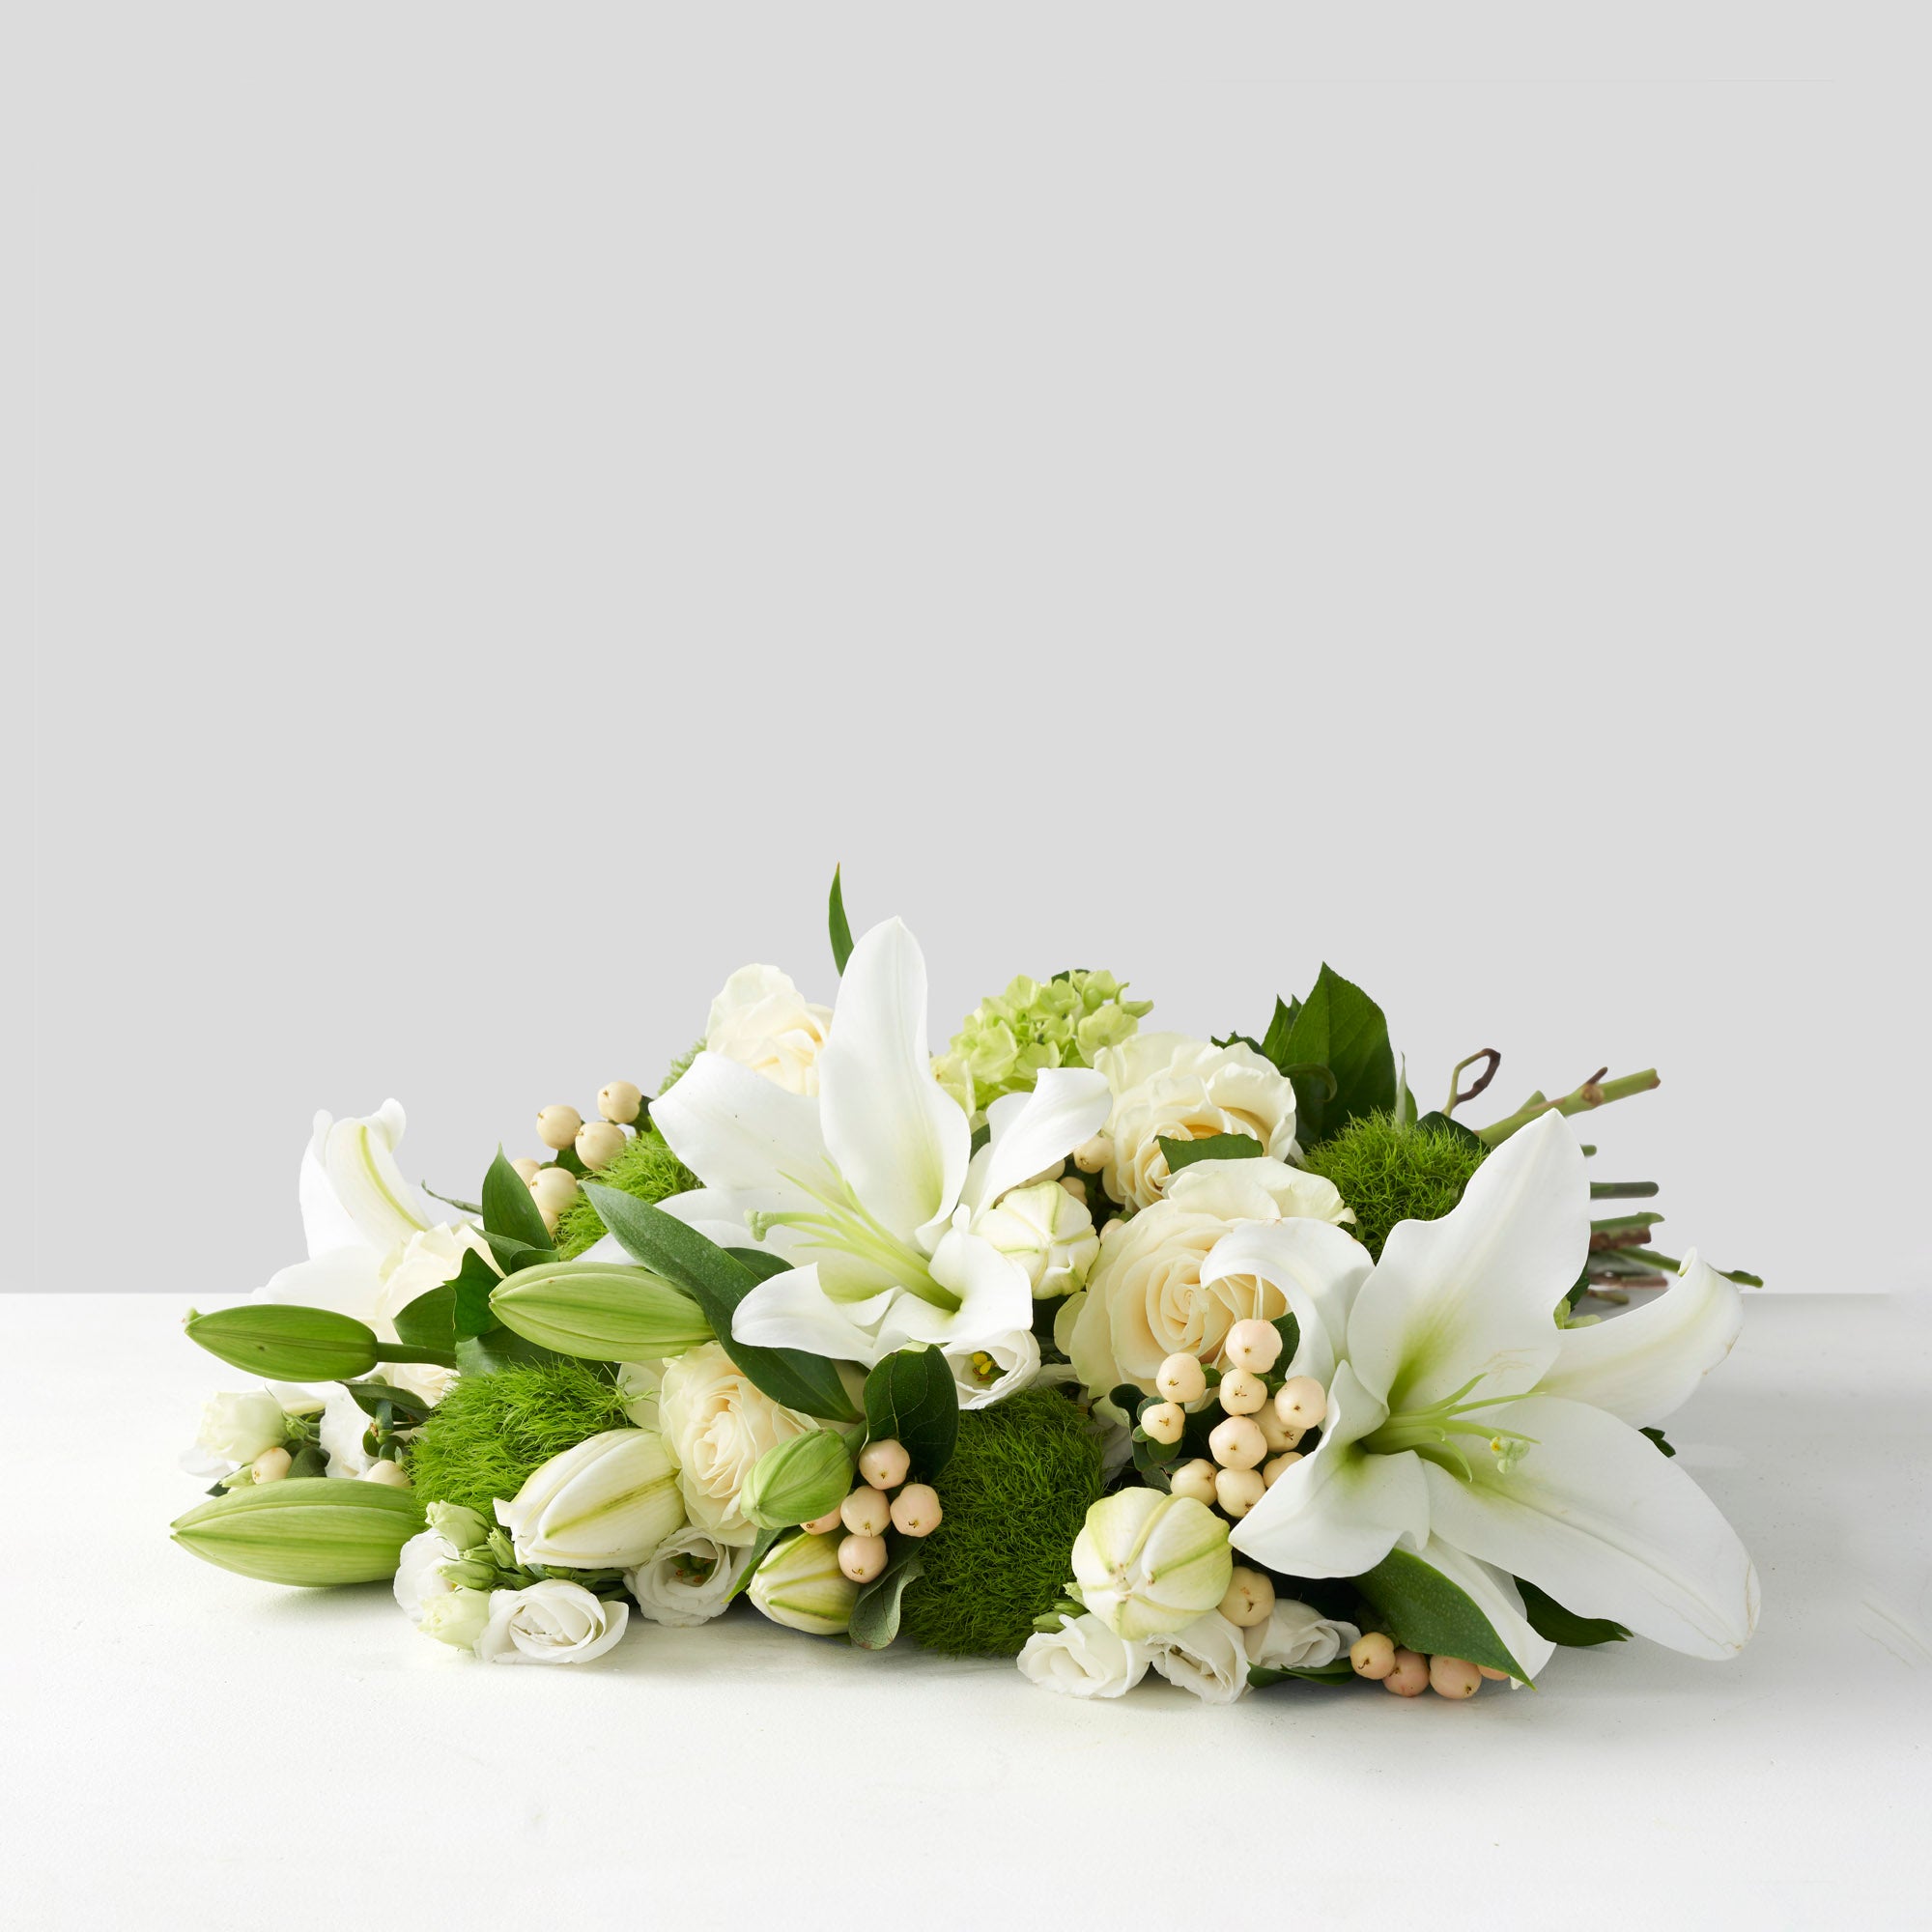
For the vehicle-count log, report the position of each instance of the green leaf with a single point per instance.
(470, 1296)
(912, 1398)
(761, 1547)
(370, 1397)
(500, 1348)
(717, 1281)
(1288, 1328)
(762, 1262)
(508, 1207)
(1423, 1610)
(875, 1613)
(1341, 1671)
(1339, 1027)
(1211, 1147)
(1274, 1042)
(512, 1253)
(1444, 1123)
(1657, 1436)
(841, 930)
(1548, 1618)
(430, 1321)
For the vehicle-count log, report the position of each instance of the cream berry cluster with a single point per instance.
(594, 1144)
(872, 1507)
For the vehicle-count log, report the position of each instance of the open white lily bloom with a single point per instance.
(867, 1188)
(1465, 1425)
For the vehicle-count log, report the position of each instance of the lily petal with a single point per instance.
(351, 1188)
(899, 1138)
(793, 1311)
(1643, 1365)
(1317, 1266)
(1594, 1514)
(1494, 1593)
(1339, 1511)
(1475, 1293)
(995, 1296)
(737, 1131)
(1030, 1131)
(349, 1280)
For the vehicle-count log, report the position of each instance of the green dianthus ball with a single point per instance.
(487, 1435)
(1016, 1494)
(1387, 1173)
(646, 1170)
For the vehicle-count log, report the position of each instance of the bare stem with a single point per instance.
(1595, 1091)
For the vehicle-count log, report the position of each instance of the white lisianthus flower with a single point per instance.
(762, 1021)
(1082, 1659)
(343, 1426)
(605, 1504)
(717, 1422)
(1047, 1232)
(1207, 1657)
(1164, 1084)
(988, 1375)
(688, 1578)
(236, 1429)
(552, 1622)
(1296, 1638)
(419, 1578)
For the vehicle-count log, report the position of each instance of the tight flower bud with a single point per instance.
(1252, 1345)
(1194, 1479)
(459, 1525)
(285, 1343)
(599, 1143)
(620, 1101)
(916, 1509)
(1181, 1379)
(459, 1617)
(606, 1504)
(307, 1530)
(862, 1557)
(1149, 1564)
(602, 1311)
(800, 1479)
(884, 1463)
(800, 1584)
(866, 1512)
(557, 1126)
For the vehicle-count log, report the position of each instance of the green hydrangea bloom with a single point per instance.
(1009, 1037)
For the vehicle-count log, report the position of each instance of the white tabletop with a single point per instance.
(185, 1747)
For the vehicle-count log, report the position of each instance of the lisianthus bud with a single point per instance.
(1148, 1563)
(620, 1101)
(797, 1481)
(459, 1526)
(606, 1504)
(1047, 1232)
(458, 1618)
(305, 1530)
(286, 1342)
(801, 1585)
(601, 1310)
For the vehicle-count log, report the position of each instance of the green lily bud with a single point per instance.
(459, 1526)
(458, 1618)
(307, 1530)
(599, 1309)
(285, 1343)
(1148, 1563)
(801, 1585)
(797, 1480)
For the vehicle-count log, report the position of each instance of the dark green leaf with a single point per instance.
(501, 1349)
(1548, 1618)
(1656, 1437)
(1341, 1671)
(1289, 1331)
(762, 1262)
(841, 930)
(1274, 1042)
(307, 1461)
(508, 1207)
(567, 1158)
(875, 1613)
(430, 1319)
(512, 1253)
(1211, 1147)
(1422, 1609)
(911, 1397)
(451, 1201)
(470, 1296)
(371, 1396)
(1339, 1027)
(1444, 1123)
(761, 1547)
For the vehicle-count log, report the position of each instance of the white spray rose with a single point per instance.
(688, 1578)
(762, 1021)
(985, 1376)
(1165, 1084)
(605, 1504)
(1296, 1638)
(1047, 1232)
(1207, 1657)
(234, 1429)
(552, 1622)
(1082, 1659)
(717, 1423)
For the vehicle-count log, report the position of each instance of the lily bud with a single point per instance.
(458, 1618)
(800, 1480)
(801, 1585)
(285, 1343)
(620, 1101)
(606, 1504)
(305, 1530)
(1149, 1564)
(601, 1310)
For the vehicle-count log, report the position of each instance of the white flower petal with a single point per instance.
(793, 1311)
(1475, 1293)
(995, 1296)
(735, 1129)
(349, 1177)
(1068, 1105)
(1597, 1517)
(1318, 1267)
(1643, 1365)
(349, 1280)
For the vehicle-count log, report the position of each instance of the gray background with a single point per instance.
(513, 504)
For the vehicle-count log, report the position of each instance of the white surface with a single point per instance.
(1133, 483)
(188, 1748)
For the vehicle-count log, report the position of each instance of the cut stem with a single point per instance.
(1594, 1093)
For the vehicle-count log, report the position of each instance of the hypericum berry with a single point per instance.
(1301, 1403)
(1238, 1443)
(862, 1557)
(1454, 1677)
(884, 1463)
(599, 1143)
(392, 1474)
(1091, 1155)
(824, 1525)
(554, 1188)
(557, 1126)
(271, 1466)
(526, 1167)
(1409, 1676)
(1164, 1422)
(866, 1512)
(1243, 1392)
(1252, 1345)
(1075, 1186)
(1277, 1467)
(1194, 1479)
(1371, 1654)
(1250, 1598)
(1495, 1676)
(1181, 1379)
(1239, 1490)
(1278, 1434)
(620, 1101)
(916, 1509)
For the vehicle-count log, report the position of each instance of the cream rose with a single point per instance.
(762, 1021)
(717, 1423)
(1165, 1084)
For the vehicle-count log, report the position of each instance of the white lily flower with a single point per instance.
(866, 1187)
(1465, 1425)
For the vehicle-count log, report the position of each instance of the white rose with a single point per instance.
(990, 1374)
(1082, 1659)
(1047, 1232)
(1166, 1084)
(554, 1622)
(1207, 1657)
(234, 1429)
(717, 1423)
(689, 1580)
(1260, 1189)
(762, 1021)
(1296, 1638)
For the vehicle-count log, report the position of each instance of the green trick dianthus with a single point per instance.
(484, 1438)
(1387, 1173)
(1016, 1494)
(646, 1170)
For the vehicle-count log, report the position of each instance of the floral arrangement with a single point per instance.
(1102, 1348)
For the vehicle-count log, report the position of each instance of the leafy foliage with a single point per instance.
(646, 1171)
(912, 1399)
(1421, 1609)
(1389, 1173)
